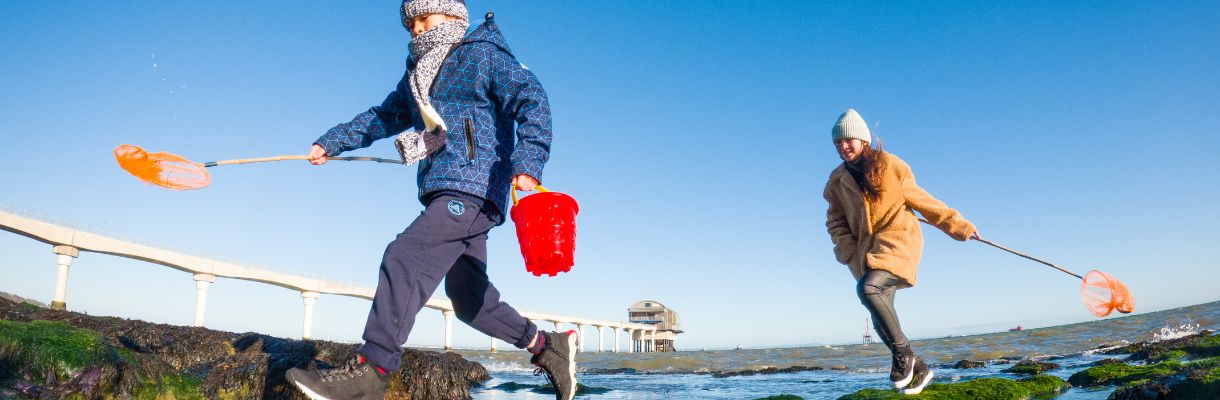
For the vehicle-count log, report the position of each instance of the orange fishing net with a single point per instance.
(1103, 294)
(162, 169)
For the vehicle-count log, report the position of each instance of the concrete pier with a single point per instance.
(67, 243)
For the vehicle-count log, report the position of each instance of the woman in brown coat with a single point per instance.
(871, 218)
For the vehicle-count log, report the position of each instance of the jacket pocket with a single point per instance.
(470, 143)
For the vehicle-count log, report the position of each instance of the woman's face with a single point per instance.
(849, 149)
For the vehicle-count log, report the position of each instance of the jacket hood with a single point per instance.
(488, 32)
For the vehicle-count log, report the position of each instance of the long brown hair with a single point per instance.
(866, 170)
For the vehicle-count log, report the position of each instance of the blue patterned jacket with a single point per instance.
(497, 112)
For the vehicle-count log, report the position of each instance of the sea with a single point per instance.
(846, 368)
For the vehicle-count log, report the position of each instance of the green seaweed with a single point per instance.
(1174, 355)
(1118, 374)
(982, 388)
(174, 387)
(51, 347)
(1208, 347)
(1031, 368)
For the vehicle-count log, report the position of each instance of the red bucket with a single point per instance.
(546, 230)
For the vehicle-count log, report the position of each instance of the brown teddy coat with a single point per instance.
(885, 234)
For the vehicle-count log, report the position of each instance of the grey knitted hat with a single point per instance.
(412, 8)
(851, 126)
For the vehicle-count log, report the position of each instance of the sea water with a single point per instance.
(847, 368)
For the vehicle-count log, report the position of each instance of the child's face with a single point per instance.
(422, 23)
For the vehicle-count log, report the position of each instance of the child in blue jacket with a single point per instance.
(492, 116)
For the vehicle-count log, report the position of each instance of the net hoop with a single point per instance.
(1103, 294)
(162, 169)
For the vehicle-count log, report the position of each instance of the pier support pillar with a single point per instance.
(580, 338)
(631, 339)
(615, 329)
(63, 261)
(493, 345)
(448, 329)
(308, 298)
(601, 330)
(652, 340)
(202, 282)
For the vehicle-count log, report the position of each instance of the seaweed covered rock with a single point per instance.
(1201, 345)
(1030, 367)
(765, 371)
(980, 389)
(49, 354)
(967, 364)
(1117, 374)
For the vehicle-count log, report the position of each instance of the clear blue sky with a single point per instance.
(696, 136)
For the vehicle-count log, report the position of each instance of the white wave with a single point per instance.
(501, 366)
(1183, 330)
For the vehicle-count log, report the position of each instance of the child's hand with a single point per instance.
(317, 155)
(525, 182)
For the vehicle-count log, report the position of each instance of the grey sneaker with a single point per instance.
(558, 361)
(923, 376)
(903, 369)
(358, 380)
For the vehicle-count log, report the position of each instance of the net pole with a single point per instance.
(998, 246)
(1028, 257)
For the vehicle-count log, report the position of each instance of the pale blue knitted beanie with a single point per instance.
(851, 126)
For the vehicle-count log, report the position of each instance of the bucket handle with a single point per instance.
(514, 192)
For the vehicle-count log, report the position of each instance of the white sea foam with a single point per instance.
(1170, 332)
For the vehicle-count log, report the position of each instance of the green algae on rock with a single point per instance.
(1117, 374)
(1029, 367)
(981, 389)
(46, 354)
(51, 348)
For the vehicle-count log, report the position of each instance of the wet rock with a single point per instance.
(1202, 344)
(1106, 361)
(1148, 390)
(967, 364)
(1039, 386)
(765, 371)
(107, 357)
(1030, 367)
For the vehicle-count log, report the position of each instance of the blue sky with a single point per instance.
(694, 134)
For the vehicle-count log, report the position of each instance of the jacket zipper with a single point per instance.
(469, 141)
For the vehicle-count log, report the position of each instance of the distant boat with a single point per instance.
(1017, 329)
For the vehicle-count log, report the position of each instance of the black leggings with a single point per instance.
(876, 290)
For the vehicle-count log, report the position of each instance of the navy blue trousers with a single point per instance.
(448, 240)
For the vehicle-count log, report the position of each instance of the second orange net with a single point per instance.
(1103, 294)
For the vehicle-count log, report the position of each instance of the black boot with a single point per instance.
(358, 380)
(903, 369)
(558, 361)
(923, 376)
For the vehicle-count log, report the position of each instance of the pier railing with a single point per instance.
(67, 243)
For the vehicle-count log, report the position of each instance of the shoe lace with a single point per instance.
(348, 371)
(542, 370)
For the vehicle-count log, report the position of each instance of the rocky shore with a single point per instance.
(47, 354)
(1183, 368)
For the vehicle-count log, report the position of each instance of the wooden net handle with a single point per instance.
(996, 245)
(282, 158)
